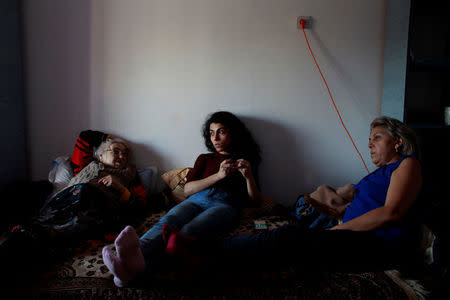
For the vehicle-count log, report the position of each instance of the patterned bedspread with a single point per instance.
(84, 276)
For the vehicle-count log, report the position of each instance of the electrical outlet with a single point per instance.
(308, 20)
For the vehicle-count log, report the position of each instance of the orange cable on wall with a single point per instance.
(302, 24)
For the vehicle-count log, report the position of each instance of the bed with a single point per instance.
(81, 273)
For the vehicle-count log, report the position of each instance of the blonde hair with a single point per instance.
(399, 129)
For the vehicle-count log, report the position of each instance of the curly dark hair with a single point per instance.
(243, 145)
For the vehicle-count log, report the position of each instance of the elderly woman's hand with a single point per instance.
(110, 181)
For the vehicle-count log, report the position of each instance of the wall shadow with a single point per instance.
(280, 173)
(145, 156)
(57, 77)
(70, 64)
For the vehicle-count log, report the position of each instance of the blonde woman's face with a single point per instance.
(383, 147)
(116, 156)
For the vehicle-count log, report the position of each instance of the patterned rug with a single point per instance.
(325, 286)
(84, 276)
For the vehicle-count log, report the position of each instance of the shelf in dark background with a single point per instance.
(427, 93)
(428, 126)
(419, 65)
(427, 86)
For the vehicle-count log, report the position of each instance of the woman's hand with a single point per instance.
(226, 168)
(110, 181)
(244, 167)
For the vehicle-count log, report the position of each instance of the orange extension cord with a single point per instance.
(302, 24)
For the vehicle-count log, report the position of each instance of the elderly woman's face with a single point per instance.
(116, 156)
(383, 146)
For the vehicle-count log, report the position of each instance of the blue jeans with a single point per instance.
(309, 216)
(202, 215)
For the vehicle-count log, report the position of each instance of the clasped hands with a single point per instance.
(229, 166)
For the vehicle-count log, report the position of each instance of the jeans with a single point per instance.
(206, 214)
(309, 216)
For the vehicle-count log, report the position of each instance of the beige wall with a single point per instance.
(152, 70)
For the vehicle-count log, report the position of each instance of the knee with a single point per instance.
(189, 230)
(180, 210)
(323, 187)
(229, 211)
(171, 220)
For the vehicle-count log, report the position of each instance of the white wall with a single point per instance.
(151, 71)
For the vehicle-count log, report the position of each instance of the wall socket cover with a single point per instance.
(308, 23)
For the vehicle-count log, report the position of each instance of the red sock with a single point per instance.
(179, 244)
(166, 232)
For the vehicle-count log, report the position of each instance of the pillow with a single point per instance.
(427, 239)
(60, 173)
(150, 180)
(175, 180)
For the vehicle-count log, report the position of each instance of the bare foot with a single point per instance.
(129, 262)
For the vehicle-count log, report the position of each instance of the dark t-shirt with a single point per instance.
(208, 164)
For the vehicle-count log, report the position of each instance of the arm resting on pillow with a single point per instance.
(195, 182)
(195, 186)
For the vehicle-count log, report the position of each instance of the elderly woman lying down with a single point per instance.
(103, 195)
(379, 230)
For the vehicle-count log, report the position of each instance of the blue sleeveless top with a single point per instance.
(370, 193)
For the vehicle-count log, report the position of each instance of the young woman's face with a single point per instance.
(383, 146)
(116, 156)
(220, 137)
